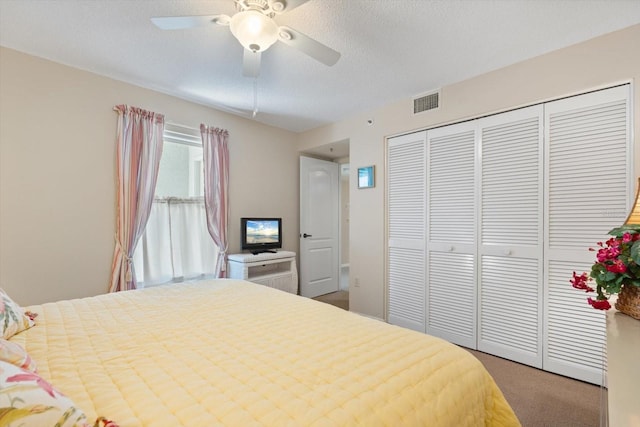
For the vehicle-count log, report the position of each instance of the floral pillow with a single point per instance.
(28, 400)
(13, 319)
(14, 353)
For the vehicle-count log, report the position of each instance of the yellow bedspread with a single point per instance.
(232, 353)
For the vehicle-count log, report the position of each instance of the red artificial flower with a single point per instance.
(580, 282)
(608, 254)
(626, 237)
(599, 304)
(102, 421)
(617, 267)
(613, 242)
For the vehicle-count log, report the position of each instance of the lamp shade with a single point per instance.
(634, 215)
(254, 30)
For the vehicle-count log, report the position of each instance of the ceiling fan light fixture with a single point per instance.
(254, 30)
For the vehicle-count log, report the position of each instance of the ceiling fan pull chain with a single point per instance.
(255, 98)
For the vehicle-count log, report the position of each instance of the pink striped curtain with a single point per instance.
(139, 148)
(215, 151)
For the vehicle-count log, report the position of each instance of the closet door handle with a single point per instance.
(305, 235)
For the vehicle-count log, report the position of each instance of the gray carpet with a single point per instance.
(543, 399)
(339, 299)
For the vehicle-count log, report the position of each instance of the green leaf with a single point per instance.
(633, 270)
(635, 252)
(596, 270)
(619, 231)
(614, 288)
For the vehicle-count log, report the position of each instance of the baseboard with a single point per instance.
(368, 316)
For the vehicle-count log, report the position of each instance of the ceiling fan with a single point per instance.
(255, 28)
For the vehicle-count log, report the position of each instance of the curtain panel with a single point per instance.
(176, 245)
(216, 188)
(138, 151)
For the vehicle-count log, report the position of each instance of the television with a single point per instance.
(261, 234)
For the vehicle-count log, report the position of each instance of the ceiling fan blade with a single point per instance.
(182, 22)
(287, 5)
(306, 44)
(251, 63)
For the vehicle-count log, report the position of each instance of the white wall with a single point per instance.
(57, 174)
(604, 61)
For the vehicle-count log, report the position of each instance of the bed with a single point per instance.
(233, 353)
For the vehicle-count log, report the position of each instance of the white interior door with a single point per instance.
(319, 227)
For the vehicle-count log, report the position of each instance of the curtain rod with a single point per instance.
(182, 126)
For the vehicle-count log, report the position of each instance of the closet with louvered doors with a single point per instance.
(513, 202)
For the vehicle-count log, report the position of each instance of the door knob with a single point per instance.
(305, 235)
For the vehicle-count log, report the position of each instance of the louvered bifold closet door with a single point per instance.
(406, 204)
(589, 184)
(510, 234)
(451, 248)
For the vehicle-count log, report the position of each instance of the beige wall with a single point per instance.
(597, 63)
(57, 174)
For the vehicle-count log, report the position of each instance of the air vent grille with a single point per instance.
(426, 102)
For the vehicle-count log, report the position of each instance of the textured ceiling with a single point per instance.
(391, 49)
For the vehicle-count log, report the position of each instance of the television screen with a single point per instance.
(261, 234)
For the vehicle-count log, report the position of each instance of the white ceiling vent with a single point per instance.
(426, 102)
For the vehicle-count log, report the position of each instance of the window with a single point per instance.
(176, 244)
(181, 173)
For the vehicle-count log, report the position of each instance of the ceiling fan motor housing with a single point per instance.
(267, 7)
